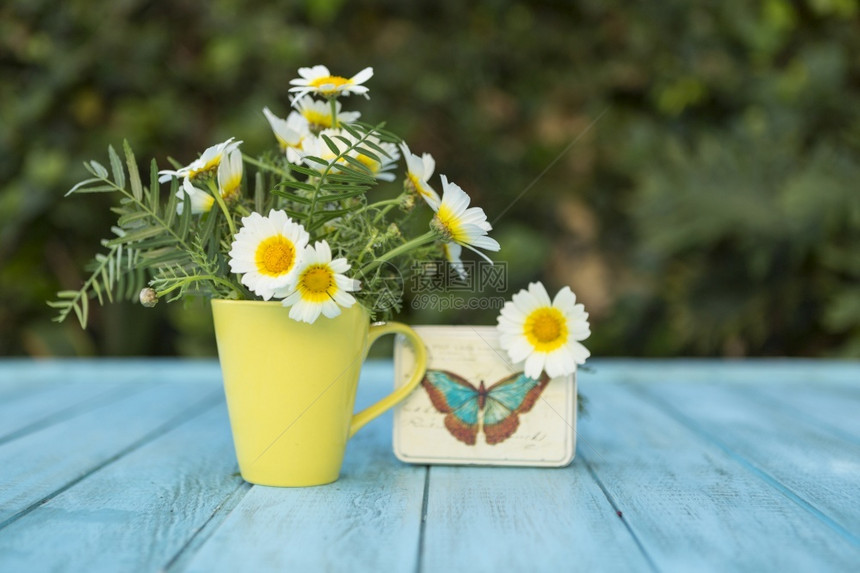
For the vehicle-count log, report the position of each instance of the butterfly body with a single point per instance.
(482, 395)
(495, 409)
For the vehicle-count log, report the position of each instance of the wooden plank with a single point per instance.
(523, 519)
(835, 408)
(788, 382)
(810, 462)
(44, 462)
(136, 513)
(692, 505)
(832, 373)
(52, 403)
(35, 394)
(369, 520)
(15, 374)
(20, 377)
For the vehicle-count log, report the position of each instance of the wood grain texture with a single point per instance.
(523, 519)
(26, 377)
(837, 409)
(19, 373)
(691, 504)
(369, 520)
(136, 513)
(46, 461)
(713, 466)
(46, 405)
(826, 373)
(821, 468)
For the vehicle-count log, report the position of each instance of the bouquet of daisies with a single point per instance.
(306, 228)
(302, 224)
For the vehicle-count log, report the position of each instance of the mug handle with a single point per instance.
(381, 329)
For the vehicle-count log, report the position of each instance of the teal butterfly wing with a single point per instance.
(453, 395)
(507, 399)
(502, 403)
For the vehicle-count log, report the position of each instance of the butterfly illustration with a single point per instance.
(500, 404)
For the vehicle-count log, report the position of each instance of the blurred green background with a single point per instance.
(705, 198)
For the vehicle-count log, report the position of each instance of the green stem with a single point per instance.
(427, 237)
(383, 212)
(220, 200)
(366, 248)
(383, 203)
(333, 103)
(150, 212)
(197, 278)
(268, 167)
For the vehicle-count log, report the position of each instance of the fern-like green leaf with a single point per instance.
(116, 167)
(96, 168)
(154, 190)
(357, 164)
(306, 170)
(331, 144)
(133, 175)
(291, 196)
(317, 160)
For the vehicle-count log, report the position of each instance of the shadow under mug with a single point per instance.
(291, 386)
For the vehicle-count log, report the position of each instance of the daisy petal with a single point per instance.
(534, 365)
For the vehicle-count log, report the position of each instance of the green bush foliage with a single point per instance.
(690, 169)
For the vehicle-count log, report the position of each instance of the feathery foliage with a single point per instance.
(183, 246)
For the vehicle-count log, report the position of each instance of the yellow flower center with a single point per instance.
(275, 256)
(209, 167)
(417, 185)
(546, 329)
(369, 162)
(335, 81)
(315, 283)
(316, 118)
(286, 144)
(451, 225)
(230, 189)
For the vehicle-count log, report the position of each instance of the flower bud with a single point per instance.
(441, 229)
(148, 297)
(407, 203)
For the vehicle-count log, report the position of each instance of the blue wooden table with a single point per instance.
(681, 466)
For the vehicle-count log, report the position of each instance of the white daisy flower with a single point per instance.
(200, 201)
(289, 132)
(380, 169)
(452, 252)
(266, 252)
(229, 186)
(320, 81)
(544, 334)
(207, 162)
(457, 222)
(318, 113)
(230, 176)
(320, 285)
(418, 173)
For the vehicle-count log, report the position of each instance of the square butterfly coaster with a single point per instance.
(474, 408)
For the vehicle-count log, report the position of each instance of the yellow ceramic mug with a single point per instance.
(291, 387)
